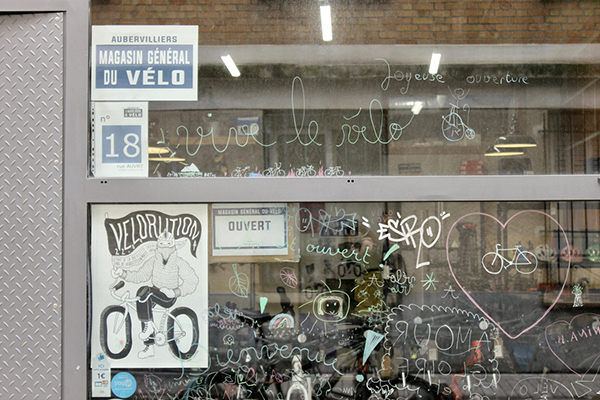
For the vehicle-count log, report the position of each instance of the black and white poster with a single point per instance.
(149, 275)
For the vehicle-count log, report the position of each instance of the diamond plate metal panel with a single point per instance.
(31, 147)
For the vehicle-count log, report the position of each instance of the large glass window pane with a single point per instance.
(380, 115)
(385, 117)
(515, 91)
(496, 299)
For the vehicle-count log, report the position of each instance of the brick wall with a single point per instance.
(231, 22)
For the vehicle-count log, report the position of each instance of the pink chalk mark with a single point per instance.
(503, 227)
(556, 355)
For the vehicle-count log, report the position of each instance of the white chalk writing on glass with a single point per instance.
(312, 124)
(406, 77)
(244, 131)
(395, 130)
(404, 230)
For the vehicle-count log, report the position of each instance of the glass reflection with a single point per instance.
(381, 117)
(442, 299)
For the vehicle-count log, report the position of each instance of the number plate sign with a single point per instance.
(120, 139)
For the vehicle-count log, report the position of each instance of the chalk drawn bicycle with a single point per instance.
(274, 171)
(453, 127)
(239, 172)
(334, 171)
(306, 170)
(525, 262)
(178, 328)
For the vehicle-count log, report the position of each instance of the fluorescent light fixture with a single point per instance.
(326, 23)
(435, 63)
(493, 151)
(157, 150)
(233, 70)
(166, 159)
(513, 140)
(416, 109)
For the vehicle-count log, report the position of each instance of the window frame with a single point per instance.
(81, 191)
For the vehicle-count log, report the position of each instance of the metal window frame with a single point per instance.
(80, 191)
(75, 121)
(346, 189)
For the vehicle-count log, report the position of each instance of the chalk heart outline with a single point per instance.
(567, 325)
(504, 225)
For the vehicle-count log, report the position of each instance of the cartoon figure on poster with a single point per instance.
(170, 276)
(157, 281)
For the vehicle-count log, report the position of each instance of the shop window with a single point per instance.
(343, 296)
(382, 117)
(274, 299)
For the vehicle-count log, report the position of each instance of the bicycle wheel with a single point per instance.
(469, 133)
(183, 333)
(278, 171)
(492, 263)
(451, 127)
(526, 262)
(115, 332)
